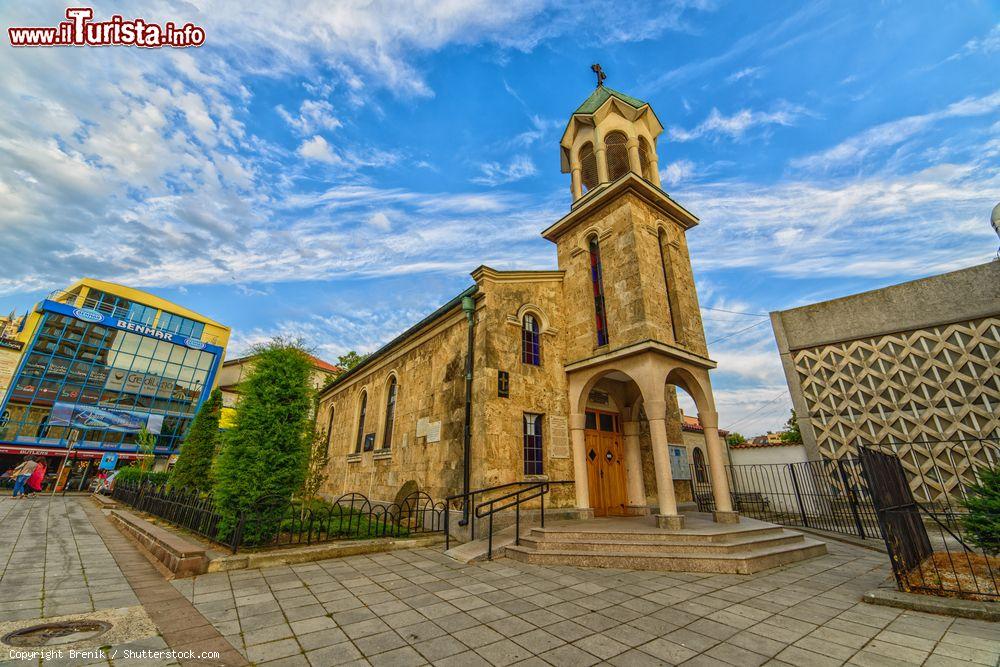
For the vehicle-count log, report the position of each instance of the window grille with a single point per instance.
(390, 414)
(588, 167)
(616, 153)
(532, 444)
(531, 351)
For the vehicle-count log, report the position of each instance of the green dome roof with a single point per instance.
(601, 95)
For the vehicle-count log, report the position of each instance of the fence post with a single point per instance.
(852, 501)
(447, 528)
(798, 495)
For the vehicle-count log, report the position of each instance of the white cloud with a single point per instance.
(745, 73)
(380, 220)
(859, 147)
(989, 43)
(676, 172)
(314, 115)
(317, 148)
(495, 173)
(735, 126)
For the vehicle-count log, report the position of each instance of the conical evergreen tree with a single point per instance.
(194, 464)
(982, 523)
(264, 454)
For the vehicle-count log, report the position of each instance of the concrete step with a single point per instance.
(738, 544)
(696, 560)
(655, 535)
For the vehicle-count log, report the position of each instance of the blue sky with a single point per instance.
(335, 170)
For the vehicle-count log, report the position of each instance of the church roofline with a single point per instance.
(401, 338)
(601, 95)
(600, 196)
(516, 276)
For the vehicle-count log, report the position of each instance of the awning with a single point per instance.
(24, 450)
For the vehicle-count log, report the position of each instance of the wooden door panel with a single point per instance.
(594, 473)
(614, 473)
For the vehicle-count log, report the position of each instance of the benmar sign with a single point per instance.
(97, 317)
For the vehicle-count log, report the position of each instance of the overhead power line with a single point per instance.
(739, 331)
(736, 312)
(748, 416)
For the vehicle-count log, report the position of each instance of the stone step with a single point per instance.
(655, 535)
(753, 560)
(736, 545)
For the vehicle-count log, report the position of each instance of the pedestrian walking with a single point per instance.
(34, 484)
(21, 475)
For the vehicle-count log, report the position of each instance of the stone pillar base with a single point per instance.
(670, 521)
(725, 517)
(637, 510)
(584, 513)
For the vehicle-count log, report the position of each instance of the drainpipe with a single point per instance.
(469, 308)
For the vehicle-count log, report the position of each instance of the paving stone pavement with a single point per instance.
(419, 607)
(61, 556)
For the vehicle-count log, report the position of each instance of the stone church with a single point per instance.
(565, 375)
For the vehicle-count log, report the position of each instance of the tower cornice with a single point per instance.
(630, 182)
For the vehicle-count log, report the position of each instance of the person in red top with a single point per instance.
(37, 478)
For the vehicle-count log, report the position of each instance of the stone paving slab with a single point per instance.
(419, 607)
(61, 556)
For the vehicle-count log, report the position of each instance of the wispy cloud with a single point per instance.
(872, 141)
(989, 43)
(745, 73)
(494, 173)
(677, 172)
(313, 116)
(735, 126)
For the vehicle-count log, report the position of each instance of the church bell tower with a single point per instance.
(623, 245)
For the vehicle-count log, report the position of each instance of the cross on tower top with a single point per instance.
(601, 76)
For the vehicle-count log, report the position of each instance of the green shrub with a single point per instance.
(264, 454)
(982, 523)
(135, 474)
(194, 463)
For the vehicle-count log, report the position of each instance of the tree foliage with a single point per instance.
(316, 468)
(194, 464)
(147, 443)
(735, 438)
(791, 432)
(264, 455)
(982, 523)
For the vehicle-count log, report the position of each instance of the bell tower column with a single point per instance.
(576, 177)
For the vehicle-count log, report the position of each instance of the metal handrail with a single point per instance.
(468, 499)
(488, 508)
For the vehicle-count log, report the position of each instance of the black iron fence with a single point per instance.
(277, 521)
(825, 495)
(927, 548)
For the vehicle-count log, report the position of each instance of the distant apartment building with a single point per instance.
(234, 371)
(914, 367)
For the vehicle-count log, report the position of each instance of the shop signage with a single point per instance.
(94, 417)
(104, 319)
(109, 461)
(11, 344)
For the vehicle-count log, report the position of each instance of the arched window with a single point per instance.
(531, 349)
(361, 422)
(329, 431)
(644, 159)
(390, 413)
(700, 474)
(672, 304)
(597, 280)
(588, 166)
(616, 153)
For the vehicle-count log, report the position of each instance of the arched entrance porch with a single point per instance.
(638, 385)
